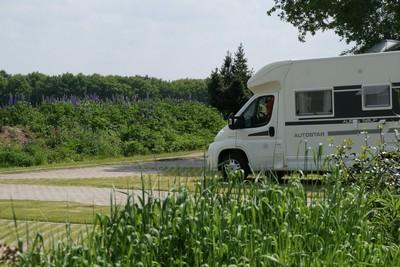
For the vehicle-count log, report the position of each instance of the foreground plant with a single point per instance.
(352, 223)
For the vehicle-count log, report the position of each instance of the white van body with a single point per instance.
(315, 102)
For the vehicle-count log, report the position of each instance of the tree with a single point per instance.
(215, 89)
(363, 22)
(227, 89)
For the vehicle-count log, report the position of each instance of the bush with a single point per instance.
(374, 169)
(375, 174)
(63, 131)
(132, 148)
(13, 155)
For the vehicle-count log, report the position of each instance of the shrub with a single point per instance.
(375, 174)
(13, 155)
(132, 148)
(64, 131)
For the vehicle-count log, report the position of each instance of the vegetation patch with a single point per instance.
(50, 211)
(38, 87)
(64, 131)
(12, 232)
(267, 225)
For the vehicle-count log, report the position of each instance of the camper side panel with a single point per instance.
(332, 100)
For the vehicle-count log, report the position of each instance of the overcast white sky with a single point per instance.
(168, 39)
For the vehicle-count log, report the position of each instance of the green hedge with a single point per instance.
(61, 131)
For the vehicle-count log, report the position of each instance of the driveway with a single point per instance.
(92, 195)
(119, 170)
(80, 194)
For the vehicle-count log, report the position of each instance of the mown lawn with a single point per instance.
(26, 231)
(45, 211)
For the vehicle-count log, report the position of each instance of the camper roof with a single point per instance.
(273, 76)
(271, 73)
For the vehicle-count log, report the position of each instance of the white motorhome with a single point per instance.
(299, 105)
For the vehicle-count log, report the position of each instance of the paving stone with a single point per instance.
(81, 194)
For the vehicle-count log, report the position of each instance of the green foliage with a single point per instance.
(35, 87)
(375, 173)
(61, 131)
(362, 22)
(237, 224)
(14, 155)
(375, 168)
(227, 86)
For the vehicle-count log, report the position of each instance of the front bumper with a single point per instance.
(212, 158)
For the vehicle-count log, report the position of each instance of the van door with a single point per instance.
(258, 134)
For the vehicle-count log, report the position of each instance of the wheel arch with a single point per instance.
(231, 151)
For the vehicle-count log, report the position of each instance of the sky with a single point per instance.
(168, 39)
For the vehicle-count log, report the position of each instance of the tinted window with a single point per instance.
(396, 99)
(376, 96)
(314, 103)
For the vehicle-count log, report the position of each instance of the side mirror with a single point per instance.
(235, 122)
(271, 131)
(231, 121)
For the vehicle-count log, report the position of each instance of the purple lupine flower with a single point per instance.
(75, 100)
(10, 100)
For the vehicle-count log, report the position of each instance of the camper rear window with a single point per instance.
(376, 96)
(314, 103)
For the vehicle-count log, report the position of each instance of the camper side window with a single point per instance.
(314, 103)
(396, 97)
(376, 97)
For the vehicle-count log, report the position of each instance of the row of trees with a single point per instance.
(35, 87)
(225, 89)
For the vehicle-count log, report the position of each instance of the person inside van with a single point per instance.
(264, 110)
(269, 104)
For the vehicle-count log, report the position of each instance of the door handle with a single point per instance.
(271, 131)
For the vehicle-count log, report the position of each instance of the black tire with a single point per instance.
(232, 162)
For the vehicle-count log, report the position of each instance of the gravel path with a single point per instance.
(132, 169)
(81, 194)
(90, 195)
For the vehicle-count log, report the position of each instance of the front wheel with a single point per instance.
(233, 162)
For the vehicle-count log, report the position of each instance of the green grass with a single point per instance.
(164, 183)
(241, 224)
(50, 211)
(54, 221)
(26, 231)
(96, 162)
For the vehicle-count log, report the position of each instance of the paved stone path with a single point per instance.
(90, 195)
(81, 194)
(131, 169)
